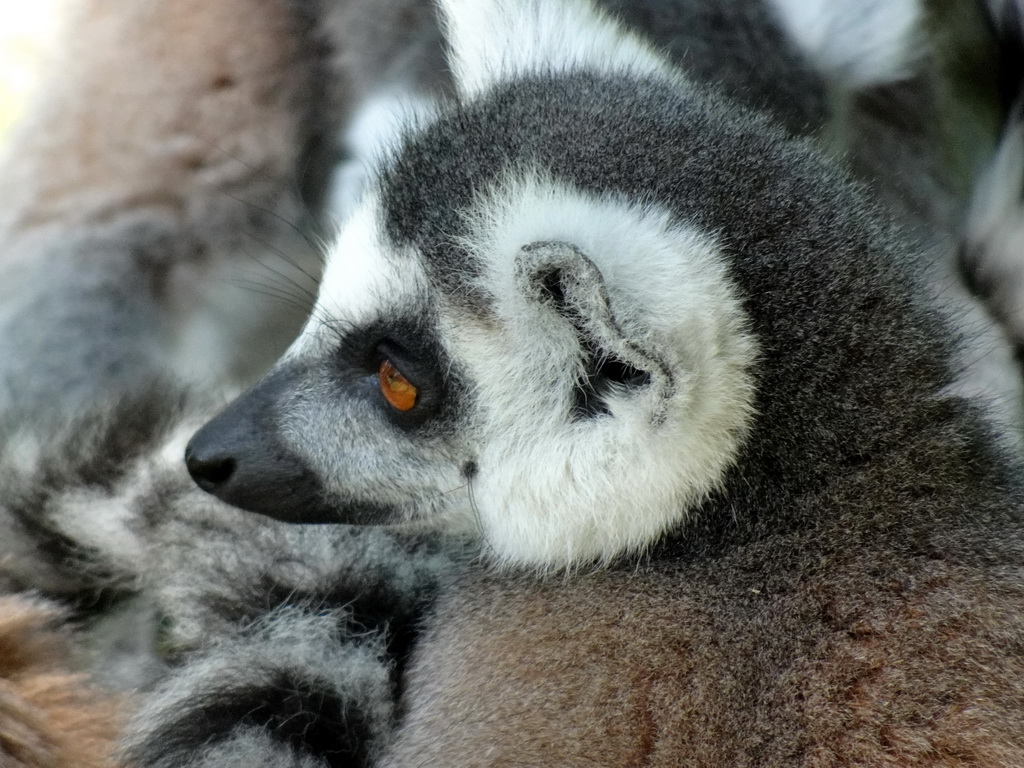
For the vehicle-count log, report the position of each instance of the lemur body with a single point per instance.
(649, 330)
(661, 397)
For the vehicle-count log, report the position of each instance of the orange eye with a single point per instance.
(397, 389)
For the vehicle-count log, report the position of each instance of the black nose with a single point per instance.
(210, 470)
(233, 455)
(239, 457)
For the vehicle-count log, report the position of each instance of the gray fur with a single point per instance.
(292, 678)
(174, 243)
(740, 47)
(847, 592)
(183, 251)
(167, 574)
(799, 612)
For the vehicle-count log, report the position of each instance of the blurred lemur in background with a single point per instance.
(639, 378)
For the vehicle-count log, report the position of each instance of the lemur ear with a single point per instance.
(559, 275)
(492, 41)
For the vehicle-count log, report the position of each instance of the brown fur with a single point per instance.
(50, 717)
(173, 164)
(208, 98)
(810, 653)
(204, 97)
(803, 656)
(617, 670)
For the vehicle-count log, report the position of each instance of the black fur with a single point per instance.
(291, 705)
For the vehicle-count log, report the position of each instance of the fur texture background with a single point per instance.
(848, 592)
(50, 716)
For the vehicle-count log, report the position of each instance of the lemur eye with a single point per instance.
(397, 389)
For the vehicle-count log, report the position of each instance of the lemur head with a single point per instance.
(529, 330)
(576, 382)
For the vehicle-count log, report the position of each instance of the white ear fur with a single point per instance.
(586, 304)
(494, 40)
(553, 491)
(857, 42)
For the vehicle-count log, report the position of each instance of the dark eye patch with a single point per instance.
(410, 347)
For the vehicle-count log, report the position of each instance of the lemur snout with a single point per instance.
(239, 457)
(226, 458)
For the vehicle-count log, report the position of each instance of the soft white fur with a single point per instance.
(859, 42)
(250, 746)
(100, 520)
(554, 491)
(494, 40)
(103, 519)
(364, 275)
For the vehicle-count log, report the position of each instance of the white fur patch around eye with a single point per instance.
(364, 277)
(556, 491)
(859, 42)
(495, 40)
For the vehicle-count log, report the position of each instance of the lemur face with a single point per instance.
(576, 381)
(505, 345)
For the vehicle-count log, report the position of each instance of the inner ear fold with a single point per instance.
(559, 275)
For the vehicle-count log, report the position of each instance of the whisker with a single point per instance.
(283, 299)
(316, 247)
(271, 248)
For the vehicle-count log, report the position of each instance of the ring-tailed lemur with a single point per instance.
(613, 307)
(608, 322)
(168, 235)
